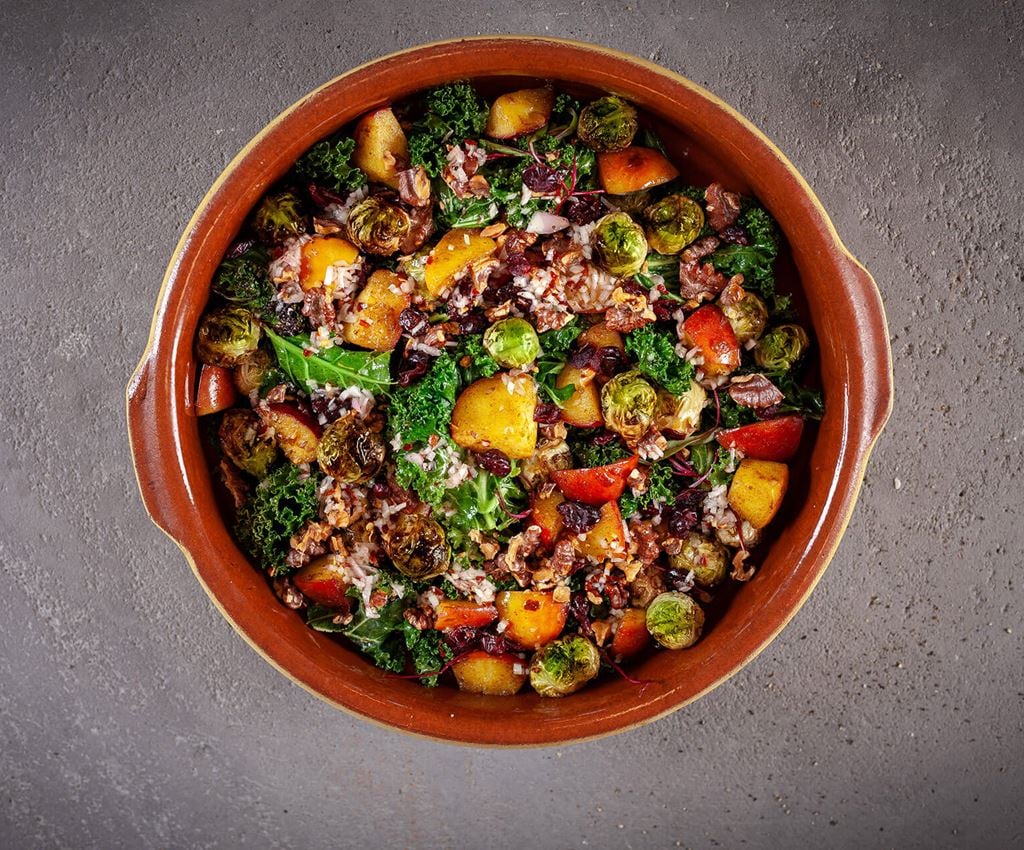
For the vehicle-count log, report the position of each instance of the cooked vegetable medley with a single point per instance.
(498, 395)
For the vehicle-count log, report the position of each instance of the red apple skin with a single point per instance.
(453, 613)
(596, 485)
(321, 583)
(709, 330)
(544, 514)
(773, 439)
(631, 636)
(216, 391)
(297, 433)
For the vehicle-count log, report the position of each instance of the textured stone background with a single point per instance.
(888, 714)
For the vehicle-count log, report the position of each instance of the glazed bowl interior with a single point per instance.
(708, 142)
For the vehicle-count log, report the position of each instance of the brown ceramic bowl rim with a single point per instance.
(175, 483)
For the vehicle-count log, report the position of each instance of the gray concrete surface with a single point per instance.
(888, 714)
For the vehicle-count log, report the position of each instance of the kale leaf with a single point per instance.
(337, 366)
(328, 163)
(244, 280)
(453, 211)
(756, 260)
(715, 460)
(478, 506)
(425, 408)
(662, 488)
(588, 454)
(281, 504)
(555, 346)
(426, 648)
(454, 112)
(656, 357)
(380, 638)
(473, 359)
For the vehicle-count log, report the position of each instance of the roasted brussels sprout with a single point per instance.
(241, 440)
(619, 245)
(748, 317)
(417, 547)
(781, 347)
(227, 336)
(706, 558)
(278, 217)
(564, 666)
(377, 226)
(674, 620)
(349, 451)
(634, 203)
(251, 372)
(628, 403)
(673, 223)
(681, 414)
(608, 124)
(513, 343)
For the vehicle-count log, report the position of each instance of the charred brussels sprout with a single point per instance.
(634, 203)
(377, 226)
(680, 414)
(564, 666)
(673, 223)
(781, 347)
(608, 124)
(278, 217)
(674, 620)
(619, 244)
(243, 443)
(417, 547)
(350, 452)
(227, 336)
(513, 343)
(251, 372)
(628, 403)
(707, 559)
(748, 317)
(243, 280)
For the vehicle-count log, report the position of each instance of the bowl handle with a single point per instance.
(872, 349)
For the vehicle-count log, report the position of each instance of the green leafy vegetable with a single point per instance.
(655, 353)
(329, 164)
(428, 484)
(588, 454)
(707, 457)
(662, 488)
(425, 408)
(454, 112)
(381, 638)
(558, 342)
(756, 260)
(453, 211)
(426, 648)
(666, 265)
(555, 346)
(478, 363)
(244, 280)
(321, 618)
(478, 506)
(279, 507)
(337, 366)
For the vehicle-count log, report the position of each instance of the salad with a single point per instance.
(498, 396)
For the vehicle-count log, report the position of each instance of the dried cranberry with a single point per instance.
(461, 638)
(578, 517)
(493, 644)
(768, 412)
(611, 360)
(579, 607)
(321, 405)
(494, 461)
(541, 177)
(518, 263)
(323, 197)
(473, 322)
(605, 437)
(632, 287)
(735, 234)
(546, 414)
(681, 521)
(664, 308)
(676, 579)
(583, 209)
(410, 320)
(586, 356)
(413, 367)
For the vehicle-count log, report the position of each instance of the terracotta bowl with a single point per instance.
(708, 140)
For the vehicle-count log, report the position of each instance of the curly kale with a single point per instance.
(454, 112)
(713, 461)
(244, 280)
(558, 342)
(588, 454)
(662, 488)
(425, 408)
(754, 261)
(453, 211)
(473, 359)
(482, 504)
(555, 346)
(282, 503)
(655, 353)
(328, 163)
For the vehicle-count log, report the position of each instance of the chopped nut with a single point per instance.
(601, 629)
(561, 594)
(494, 229)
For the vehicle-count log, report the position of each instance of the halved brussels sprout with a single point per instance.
(681, 414)
(707, 559)
(227, 336)
(251, 372)
(781, 347)
(673, 223)
(513, 343)
(628, 403)
(377, 226)
(349, 451)
(748, 317)
(278, 217)
(417, 547)
(564, 666)
(241, 440)
(674, 620)
(608, 124)
(619, 245)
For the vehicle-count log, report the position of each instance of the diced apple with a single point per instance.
(602, 336)
(534, 618)
(631, 635)
(773, 439)
(453, 252)
(453, 613)
(596, 485)
(544, 513)
(633, 169)
(216, 390)
(381, 148)
(319, 254)
(583, 407)
(520, 112)
(607, 538)
(709, 330)
(375, 313)
(296, 432)
(477, 672)
(324, 583)
(757, 490)
(497, 413)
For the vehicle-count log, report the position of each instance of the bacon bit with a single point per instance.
(754, 391)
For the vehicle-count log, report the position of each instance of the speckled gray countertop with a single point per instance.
(889, 712)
